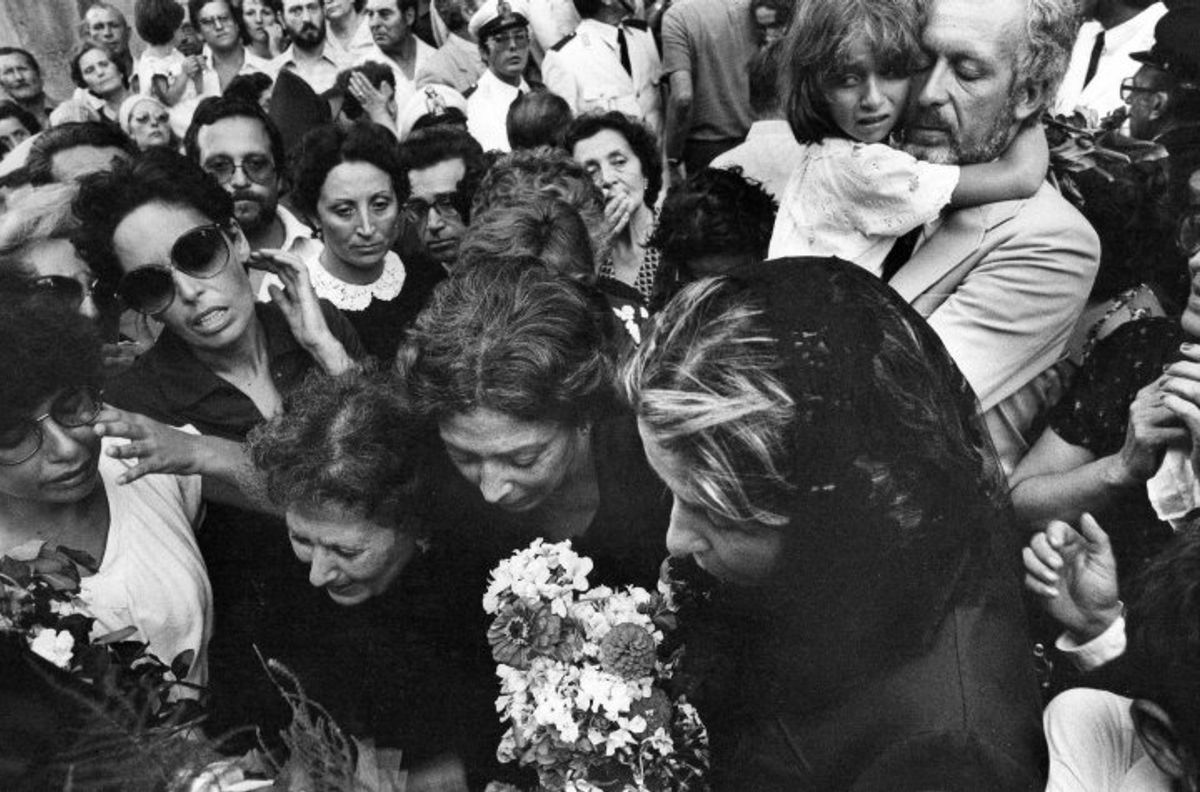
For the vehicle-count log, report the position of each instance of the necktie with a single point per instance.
(623, 46)
(900, 253)
(1094, 61)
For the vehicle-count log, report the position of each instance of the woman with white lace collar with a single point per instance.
(346, 181)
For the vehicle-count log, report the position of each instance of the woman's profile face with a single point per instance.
(100, 74)
(150, 125)
(211, 314)
(64, 468)
(516, 464)
(741, 553)
(358, 214)
(350, 556)
(611, 162)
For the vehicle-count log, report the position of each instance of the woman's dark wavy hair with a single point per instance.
(347, 441)
(641, 140)
(548, 229)
(803, 394)
(83, 49)
(47, 347)
(817, 47)
(157, 175)
(329, 145)
(514, 337)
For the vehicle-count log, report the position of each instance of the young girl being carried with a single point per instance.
(848, 66)
(163, 71)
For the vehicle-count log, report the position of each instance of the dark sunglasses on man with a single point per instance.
(202, 253)
(70, 291)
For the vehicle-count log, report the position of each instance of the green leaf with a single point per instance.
(81, 558)
(60, 582)
(115, 636)
(183, 663)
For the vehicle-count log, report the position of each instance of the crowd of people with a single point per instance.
(878, 317)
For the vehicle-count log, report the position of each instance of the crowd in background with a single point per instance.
(881, 318)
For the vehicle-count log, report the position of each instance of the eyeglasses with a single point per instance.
(1128, 89)
(200, 253)
(417, 210)
(220, 20)
(20, 441)
(70, 291)
(1188, 234)
(515, 38)
(258, 168)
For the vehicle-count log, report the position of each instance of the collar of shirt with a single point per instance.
(189, 391)
(1116, 38)
(295, 232)
(359, 45)
(599, 30)
(490, 83)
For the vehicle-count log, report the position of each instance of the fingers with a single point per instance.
(1040, 587)
(1090, 529)
(1042, 559)
(134, 473)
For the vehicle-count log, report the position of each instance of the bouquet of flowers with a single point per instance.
(584, 685)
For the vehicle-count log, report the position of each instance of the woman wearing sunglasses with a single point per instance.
(1116, 444)
(162, 230)
(58, 488)
(36, 251)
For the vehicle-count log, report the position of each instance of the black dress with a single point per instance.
(1093, 414)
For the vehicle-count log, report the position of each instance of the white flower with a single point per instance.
(53, 646)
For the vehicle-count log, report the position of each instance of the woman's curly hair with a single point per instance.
(348, 441)
(514, 337)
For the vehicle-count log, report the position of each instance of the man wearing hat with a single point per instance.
(502, 29)
(610, 62)
(1164, 95)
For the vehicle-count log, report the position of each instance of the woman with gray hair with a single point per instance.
(842, 553)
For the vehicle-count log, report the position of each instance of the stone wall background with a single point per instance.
(49, 29)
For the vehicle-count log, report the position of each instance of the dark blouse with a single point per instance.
(255, 577)
(382, 324)
(1094, 412)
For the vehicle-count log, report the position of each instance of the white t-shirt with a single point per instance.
(852, 200)
(150, 66)
(152, 576)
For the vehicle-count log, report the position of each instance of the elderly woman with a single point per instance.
(347, 462)
(162, 230)
(103, 85)
(621, 156)
(61, 485)
(854, 620)
(346, 182)
(147, 121)
(509, 360)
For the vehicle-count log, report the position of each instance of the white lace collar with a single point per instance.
(357, 296)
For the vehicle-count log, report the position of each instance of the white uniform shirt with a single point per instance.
(1103, 94)
(487, 111)
(586, 70)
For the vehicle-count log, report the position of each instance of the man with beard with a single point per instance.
(21, 82)
(304, 21)
(1002, 284)
(396, 46)
(225, 57)
(502, 29)
(240, 147)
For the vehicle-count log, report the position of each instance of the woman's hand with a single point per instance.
(1152, 426)
(302, 309)
(372, 100)
(156, 447)
(193, 65)
(618, 211)
(1075, 574)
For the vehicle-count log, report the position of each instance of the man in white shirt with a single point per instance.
(396, 46)
(1100, 60)
(242, 149)
(347, 35)
(305, 22)
(502, 29)
(770, 152)
(610, 62)
(456, 63)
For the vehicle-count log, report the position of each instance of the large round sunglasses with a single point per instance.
(70, 291)
(73, 408)
(1187, 233)
(201, 253)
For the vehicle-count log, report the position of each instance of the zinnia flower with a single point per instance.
(519, 633)
(628, 651)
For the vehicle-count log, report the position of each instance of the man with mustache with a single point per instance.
(239, 146)
(307, 56)
(1002, 284)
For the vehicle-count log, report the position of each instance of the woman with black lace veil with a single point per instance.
(840, 537)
